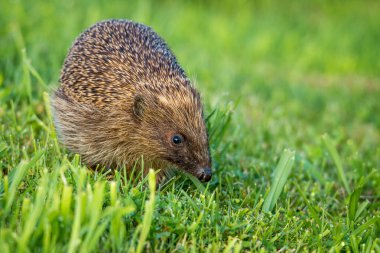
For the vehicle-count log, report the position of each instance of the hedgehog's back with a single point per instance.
(110, 59)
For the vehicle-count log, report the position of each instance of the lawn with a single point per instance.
(293, 93)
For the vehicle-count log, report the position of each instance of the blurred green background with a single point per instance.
(288, 71)
(315, 55)
(298, 68)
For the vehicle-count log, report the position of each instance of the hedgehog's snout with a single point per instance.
(205, 175)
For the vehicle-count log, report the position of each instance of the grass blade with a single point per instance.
(361, 208)
(18, 176)
(149, 209)
(194, 180)
(34, 215)
(280, 176)
(231, 246)
(49, 113)
(96, 204)
(75, 237)
(365, 226)
(353, 203)
(338, 163)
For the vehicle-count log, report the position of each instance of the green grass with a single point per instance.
(300, 76)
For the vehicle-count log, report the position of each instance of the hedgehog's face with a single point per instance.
(178, 133)
(188, 151)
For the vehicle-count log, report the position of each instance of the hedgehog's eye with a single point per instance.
(177, 139)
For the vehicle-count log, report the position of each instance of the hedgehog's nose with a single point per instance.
(206, 175)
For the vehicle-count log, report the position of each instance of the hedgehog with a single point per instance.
(124, 100)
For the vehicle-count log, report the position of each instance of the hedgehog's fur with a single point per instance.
(123, 96)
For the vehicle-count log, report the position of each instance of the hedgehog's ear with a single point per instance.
(138, 106)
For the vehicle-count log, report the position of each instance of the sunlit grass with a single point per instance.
(274, 76)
